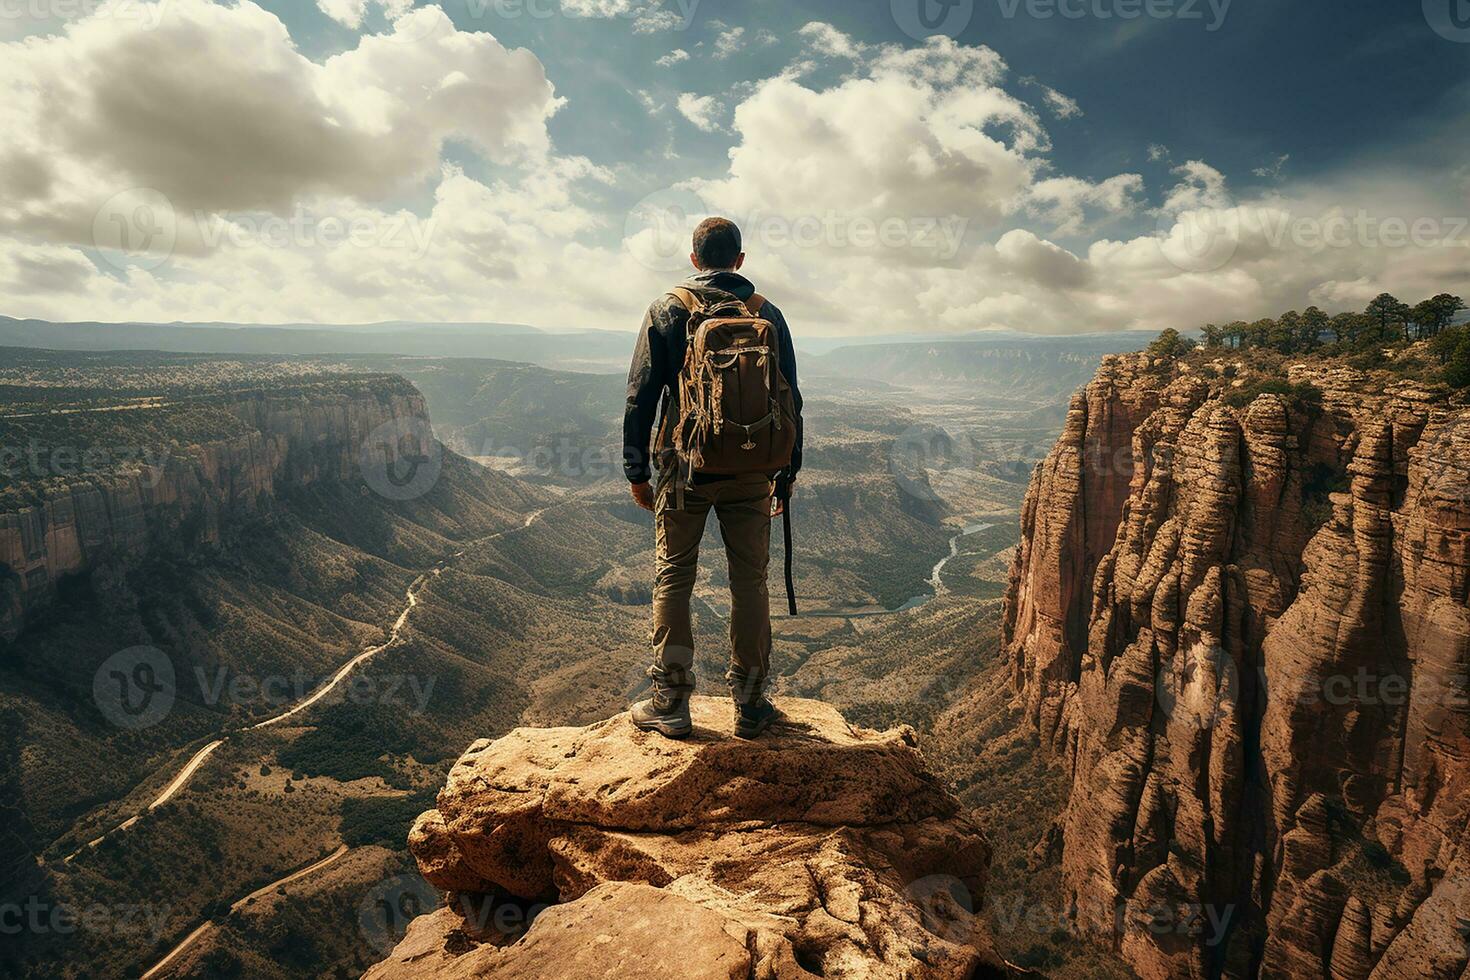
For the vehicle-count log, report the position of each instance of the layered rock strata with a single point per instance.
(1242, 624)
(182, 498)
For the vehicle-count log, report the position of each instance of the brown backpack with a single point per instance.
(735, 413)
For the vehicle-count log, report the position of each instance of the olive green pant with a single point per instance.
(743, 506)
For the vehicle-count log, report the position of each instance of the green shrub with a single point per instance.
(1301, 395)
(1171, 344)
(382, 820)
(1457, 371)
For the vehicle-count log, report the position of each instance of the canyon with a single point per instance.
(1238, 620)
(176, 499)
(1208, 709)
(266, 546)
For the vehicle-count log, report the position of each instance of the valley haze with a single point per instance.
(1115, 356)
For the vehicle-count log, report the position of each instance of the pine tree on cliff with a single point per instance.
(1457, 371)
(1171, 344)
(1443, 310)
(1314, 323)
(1286, 334)
(1258, 334)
(1385, 311)
(1351, 328)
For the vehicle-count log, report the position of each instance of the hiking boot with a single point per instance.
(669, 716)
(754, 718)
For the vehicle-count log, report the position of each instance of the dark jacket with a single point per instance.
(660, 354)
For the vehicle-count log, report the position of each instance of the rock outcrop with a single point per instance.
(1244, 628)
(179, 499)
(820, 850)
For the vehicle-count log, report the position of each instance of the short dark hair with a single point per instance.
(717, 243)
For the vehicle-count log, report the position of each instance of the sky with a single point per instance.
(898, 166)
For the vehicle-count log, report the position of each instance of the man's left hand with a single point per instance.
(643, 495)
(778, 506)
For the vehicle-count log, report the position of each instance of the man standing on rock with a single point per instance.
(720, 360)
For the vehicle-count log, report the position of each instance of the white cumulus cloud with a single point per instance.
(271, 186)
(701, 110)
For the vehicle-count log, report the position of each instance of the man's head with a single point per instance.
(717, 246)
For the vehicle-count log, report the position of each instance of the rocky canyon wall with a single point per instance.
(1242, 626)
(180, 499)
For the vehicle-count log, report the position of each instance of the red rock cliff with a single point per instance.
(1244, 630)
(194, 492)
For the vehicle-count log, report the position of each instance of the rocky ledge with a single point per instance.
(821, 850)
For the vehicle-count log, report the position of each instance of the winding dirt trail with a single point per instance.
(411, 600)
(158, 968)
(199, 758)
(134, 406)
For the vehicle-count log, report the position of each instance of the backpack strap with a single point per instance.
(688, 299)
(692, 302)
(783, 494)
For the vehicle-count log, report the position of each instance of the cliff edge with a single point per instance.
(1239, 615)
(821, 850)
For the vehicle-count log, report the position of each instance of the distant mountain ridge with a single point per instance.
(897, 357)
(595, 350)
(1032, 367)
